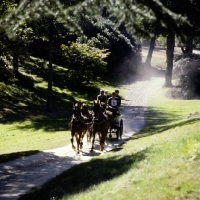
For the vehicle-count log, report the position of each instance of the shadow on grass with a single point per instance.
(152, 130)
(146, 121)
(12, 156)
(137, 117)
(50, 124)
(156, 116)
(81, 177)
(25, 99)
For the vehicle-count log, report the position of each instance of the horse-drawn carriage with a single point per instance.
(99, 120)
(116, 126)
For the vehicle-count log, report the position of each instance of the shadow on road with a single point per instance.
(83, 176)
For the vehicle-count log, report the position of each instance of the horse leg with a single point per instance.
(103, 138)
(78, 141)
(90, 134)
(81, 138)
(92, 148)
(72, 141)
(101, 141)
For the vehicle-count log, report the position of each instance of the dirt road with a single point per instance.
(20, 175)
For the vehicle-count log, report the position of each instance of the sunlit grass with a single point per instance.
(158, 57)
(26, 127)
(164, 166)
(34, 134)
(178, 109)
(159, 162)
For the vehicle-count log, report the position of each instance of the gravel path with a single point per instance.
(20, 175)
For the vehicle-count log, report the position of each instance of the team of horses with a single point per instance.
(90, 123)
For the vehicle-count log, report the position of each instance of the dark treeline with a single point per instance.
(91, 38)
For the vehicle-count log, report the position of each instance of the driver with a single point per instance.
(102, 97)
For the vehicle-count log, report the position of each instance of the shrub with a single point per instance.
(83, 61)
(122, 47)
(185, 64)
(190, 84)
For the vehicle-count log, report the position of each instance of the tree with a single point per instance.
(187, 30)
(111, 38)
(170, 56)
(150, 52)
(84, 62)
(66, 12)
(132, 11)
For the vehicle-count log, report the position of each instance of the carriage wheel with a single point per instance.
(121, 128)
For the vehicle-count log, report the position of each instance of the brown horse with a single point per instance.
(88, 118)
(100, 125)
(77, 127)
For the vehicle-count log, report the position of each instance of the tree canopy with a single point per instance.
(129, 11)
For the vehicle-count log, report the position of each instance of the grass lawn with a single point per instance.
(159, 162)
(25, 127)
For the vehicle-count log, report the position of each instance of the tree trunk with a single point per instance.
(189, 45)
(170, 57)
(150, 53)
(50, 69)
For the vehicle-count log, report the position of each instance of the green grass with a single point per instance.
(162, 109)
(159, 162)
(158, 57)
(31, 135)
(25, 126)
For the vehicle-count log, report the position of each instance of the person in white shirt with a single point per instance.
(113, 103)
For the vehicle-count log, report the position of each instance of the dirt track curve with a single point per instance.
(20, 175)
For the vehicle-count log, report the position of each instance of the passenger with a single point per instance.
(102, 97)
(119, 98)
(106, 94)
(112, 104)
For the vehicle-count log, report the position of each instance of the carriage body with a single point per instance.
(116, 126)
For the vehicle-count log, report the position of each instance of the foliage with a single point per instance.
(190, 84)
(6, 7)
(130, 11)
(7, 75)
(109, 36)
(161, 41)
(187, 74)
(186, 63)
(84, 62)
(23, 118)
(190, 9)
(12, 52)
